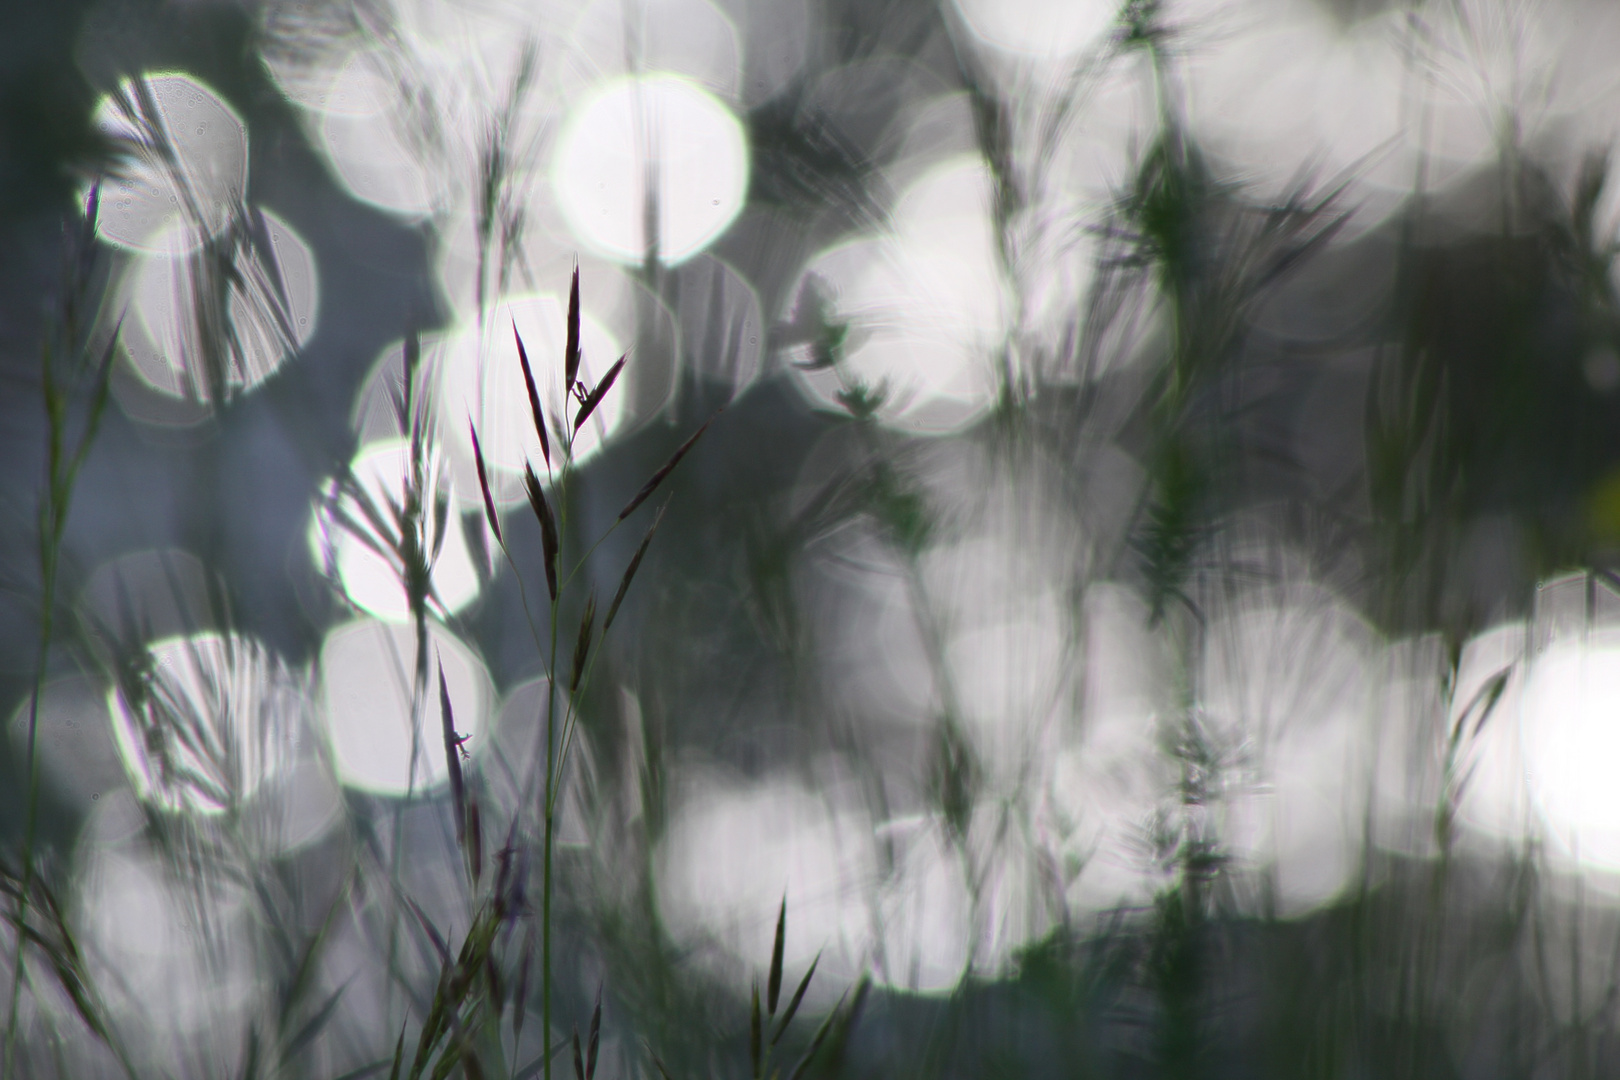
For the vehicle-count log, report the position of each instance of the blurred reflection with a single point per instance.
(205, 720)
(355, 535)
(382, 739)
(184, 163)
(182, 343)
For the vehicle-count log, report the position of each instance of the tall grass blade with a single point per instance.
(579, 1058)
(773, 986)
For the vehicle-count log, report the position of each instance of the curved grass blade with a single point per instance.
(548, 526)
(534, 396)
(630, 571)
(594, 398)
(663, 472)
(794, 1001)
(773, 986)
(579, 1058)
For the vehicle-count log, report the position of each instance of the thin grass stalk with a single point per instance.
(61, 475)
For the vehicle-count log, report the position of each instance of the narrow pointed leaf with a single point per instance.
(548, 526)
(452, 756)
(663, 472)
(490, 515)
(596, 1038)
(571, 355)
(594, 398)
(579, 1058)
(534, 396)
(773, 987)
(630, 572)
(794, 1001)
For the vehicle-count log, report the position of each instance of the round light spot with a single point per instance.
(655, 148)
(367, 672)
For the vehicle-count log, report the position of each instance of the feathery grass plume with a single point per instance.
(664, 470)
(548, 527)
(534, 396)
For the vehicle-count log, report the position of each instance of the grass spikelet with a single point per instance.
(452, 757)
(548, 526)
(490, 515)
(582, 647)
(534, 396)
(664, 470)
(571, 355)
(594, 398)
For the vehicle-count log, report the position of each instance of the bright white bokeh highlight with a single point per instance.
(1570, 726)
(367, 672)
(366, 569)
(661, 130)
(924, 306)
(1042, 28)
(218, 716)
(154, 195)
